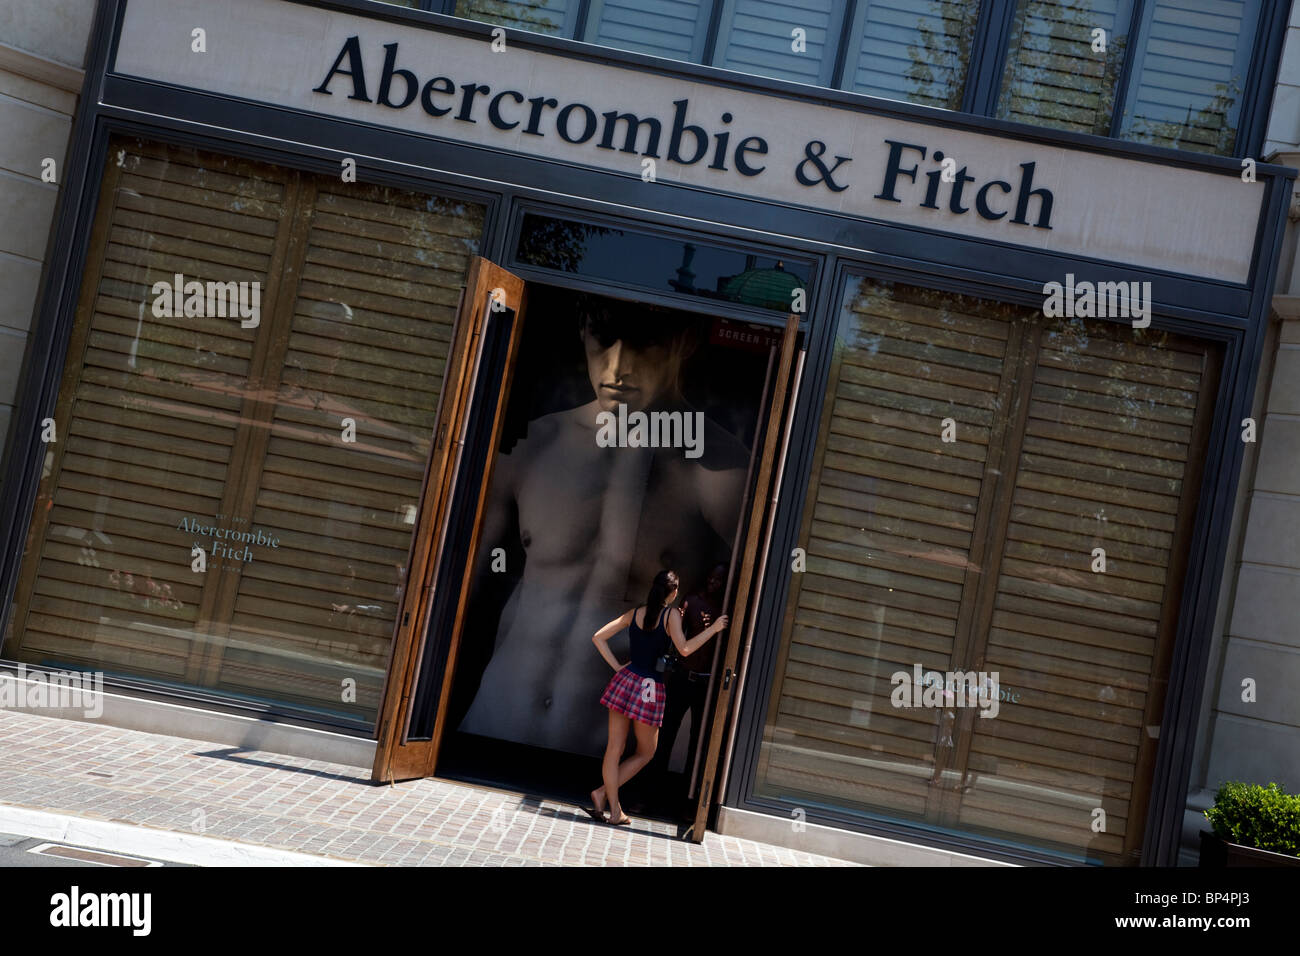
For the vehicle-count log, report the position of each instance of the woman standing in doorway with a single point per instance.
(635, 696)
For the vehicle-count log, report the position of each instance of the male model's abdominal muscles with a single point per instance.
(543, 684)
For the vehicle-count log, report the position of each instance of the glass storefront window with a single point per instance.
(657, 263)
(952, 656)
(244, 421)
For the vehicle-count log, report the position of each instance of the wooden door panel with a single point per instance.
(722, 689)
(489, 292)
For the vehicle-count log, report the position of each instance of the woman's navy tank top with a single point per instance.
(648, 646)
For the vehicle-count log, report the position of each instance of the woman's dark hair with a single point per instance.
(665, 583)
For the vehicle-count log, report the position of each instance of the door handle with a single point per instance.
(726, 678)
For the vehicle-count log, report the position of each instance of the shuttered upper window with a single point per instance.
(670, 28)
(975, 559)
(786, 40)
(1058, 71)
(556, 17)
(1189, 72)
(912, 51)
(1168, 72)
(290, 452)
(1188, 69)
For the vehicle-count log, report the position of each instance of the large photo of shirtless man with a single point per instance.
(574, 533)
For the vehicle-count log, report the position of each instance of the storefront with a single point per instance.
(340, 294)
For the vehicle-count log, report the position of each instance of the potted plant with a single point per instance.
(1253, 826)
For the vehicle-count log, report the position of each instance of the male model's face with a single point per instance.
(633, 375)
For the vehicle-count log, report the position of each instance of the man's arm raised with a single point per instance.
(684, 647)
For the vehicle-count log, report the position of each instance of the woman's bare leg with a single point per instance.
(647, 738)
(609, 768)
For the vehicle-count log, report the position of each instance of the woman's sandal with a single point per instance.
(626, 821)
(597, 815)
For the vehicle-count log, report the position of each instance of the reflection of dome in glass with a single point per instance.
(765, 288)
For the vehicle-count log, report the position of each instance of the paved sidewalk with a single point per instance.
(323, 809)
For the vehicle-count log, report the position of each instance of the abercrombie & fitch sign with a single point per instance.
(717, 134)
(676, 140)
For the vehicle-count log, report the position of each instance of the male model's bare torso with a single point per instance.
(596, 525)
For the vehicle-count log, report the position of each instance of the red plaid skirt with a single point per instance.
(627, 692)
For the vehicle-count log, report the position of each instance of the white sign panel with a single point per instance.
(703, 134)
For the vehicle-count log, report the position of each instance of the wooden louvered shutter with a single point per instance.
(670, 28)
(913, 52)
(1052, 76)
(977, 556)
(1189, 73)
(755, 37)
(1112, 426)
(150, 412)
(184, 431)
(889, 529)
(367, 342)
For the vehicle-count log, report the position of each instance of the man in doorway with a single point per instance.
(687, 685)
(595, 524)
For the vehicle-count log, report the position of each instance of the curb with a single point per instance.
(167, 845)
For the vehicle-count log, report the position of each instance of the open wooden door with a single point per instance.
(788, 364)
(484, 340)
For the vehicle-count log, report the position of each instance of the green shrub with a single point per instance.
(1266, 818)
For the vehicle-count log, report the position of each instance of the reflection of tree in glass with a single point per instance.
(1205, 131)
(557, 243)
(1054, 77)
(938, 70)
(539, 16)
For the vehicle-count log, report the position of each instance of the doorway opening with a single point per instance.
(627, 445)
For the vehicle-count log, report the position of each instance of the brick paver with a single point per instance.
(329, 810)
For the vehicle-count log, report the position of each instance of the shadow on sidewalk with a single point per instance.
(232, 754)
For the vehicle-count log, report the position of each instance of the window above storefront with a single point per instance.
(662, 264)
(1195, 76)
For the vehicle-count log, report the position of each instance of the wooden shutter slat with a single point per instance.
(1073, 660)
(1086, 625)
(1139, 564)
(323, 289)
(1099, 475)
(869, 428)
(206, 179)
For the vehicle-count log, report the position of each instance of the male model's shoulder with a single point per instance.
(541, 432)
(722, 450)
